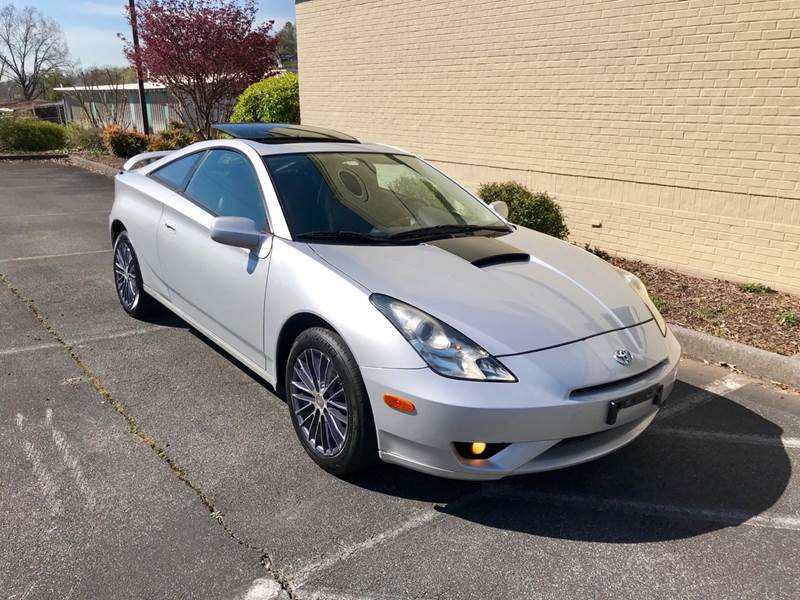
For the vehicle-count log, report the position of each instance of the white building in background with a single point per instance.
(120, 104)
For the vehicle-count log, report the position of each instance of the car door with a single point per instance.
(221, 288)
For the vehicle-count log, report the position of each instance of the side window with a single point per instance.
(176, 173)
(226, 185)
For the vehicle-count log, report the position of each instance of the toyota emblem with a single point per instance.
(623, 357)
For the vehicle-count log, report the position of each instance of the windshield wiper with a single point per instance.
(438, 230)
(340, 236)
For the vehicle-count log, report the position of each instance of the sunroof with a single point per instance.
(282, 133)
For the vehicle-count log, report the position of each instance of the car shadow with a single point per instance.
(705, 464)
(164, 317)
(674, 481)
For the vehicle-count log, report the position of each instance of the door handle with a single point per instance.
(170, 227)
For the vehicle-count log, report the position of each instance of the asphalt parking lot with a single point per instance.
(140, 461)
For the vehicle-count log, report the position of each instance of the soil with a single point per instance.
(106, 159)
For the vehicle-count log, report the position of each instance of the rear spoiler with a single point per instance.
(144, 159)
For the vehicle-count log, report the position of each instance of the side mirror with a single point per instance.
(500, 207)
(236, 231)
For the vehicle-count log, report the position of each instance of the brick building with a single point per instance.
(667, 129)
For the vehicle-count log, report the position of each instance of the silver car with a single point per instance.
(400, 316)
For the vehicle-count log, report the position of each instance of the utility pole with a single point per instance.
(142, 100)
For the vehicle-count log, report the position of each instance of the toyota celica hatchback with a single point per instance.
(400, 316)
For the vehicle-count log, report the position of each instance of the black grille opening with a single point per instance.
(610, 386)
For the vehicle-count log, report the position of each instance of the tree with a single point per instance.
(32, 47)
(287, 45)
(205, 51)
(101, 95)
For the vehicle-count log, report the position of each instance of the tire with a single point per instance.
(128, 279)
(317, 397)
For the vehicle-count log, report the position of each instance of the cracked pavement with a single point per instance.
(139, 460)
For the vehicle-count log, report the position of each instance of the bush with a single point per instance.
(755, 288)
(174, 137)
(83, 138)
(533, 210)
(31, 135)
(123, 143)
(788, 318)
(273, 100)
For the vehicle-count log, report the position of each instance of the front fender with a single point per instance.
(299, 281)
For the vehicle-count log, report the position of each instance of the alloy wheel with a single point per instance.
(318, 402)
(125, 275)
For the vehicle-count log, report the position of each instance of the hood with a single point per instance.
(520, 292)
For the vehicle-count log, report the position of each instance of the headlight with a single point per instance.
(446, 351)
(639, 288)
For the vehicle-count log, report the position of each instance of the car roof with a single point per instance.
(318, 147)
(286, 138)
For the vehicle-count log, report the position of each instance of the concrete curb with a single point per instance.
(768, 365)
(91, 165)
(32, 156)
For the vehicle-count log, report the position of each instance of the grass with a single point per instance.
(659, 303)
(755, 288)
(788, 318)
(597, 251)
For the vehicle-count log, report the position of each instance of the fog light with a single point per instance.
(477, 448)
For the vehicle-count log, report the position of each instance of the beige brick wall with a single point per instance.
(674, 123)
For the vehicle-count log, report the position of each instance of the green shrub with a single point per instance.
(122, 142)
(174, 137)
(659, 303)
(756, 288)
(273, 100)
(88, 139)
(598, 252)
(25, 134)
(533, 210)
(788, 318)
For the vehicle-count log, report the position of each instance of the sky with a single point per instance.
(91, 26)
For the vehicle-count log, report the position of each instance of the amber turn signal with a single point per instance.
(398, 403)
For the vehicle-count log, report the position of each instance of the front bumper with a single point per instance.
(555, 416)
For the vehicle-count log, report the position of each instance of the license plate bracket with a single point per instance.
(652, 394)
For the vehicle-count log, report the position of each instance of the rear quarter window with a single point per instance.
(175, 174)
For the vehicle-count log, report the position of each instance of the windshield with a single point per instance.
(373, 197)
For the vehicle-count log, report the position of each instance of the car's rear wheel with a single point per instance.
(328, 403)
(128, 279)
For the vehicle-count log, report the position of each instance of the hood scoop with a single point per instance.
(482, 251)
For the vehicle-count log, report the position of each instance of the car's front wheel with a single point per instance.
(328, 403)
(128, 279)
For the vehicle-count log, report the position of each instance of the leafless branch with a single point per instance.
(32, 46)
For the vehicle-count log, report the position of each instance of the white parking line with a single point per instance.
(83, 341)
(58, 214)
(730, 517)
(330, 594)
(70, 460)
(415, 522)
(264, 588)
(121, 334)
(44, 478)
(719, 387)
(29, 348)
(47, 256)
(735, 438)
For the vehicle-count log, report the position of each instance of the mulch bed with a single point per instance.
(106, 159)
(720, 307)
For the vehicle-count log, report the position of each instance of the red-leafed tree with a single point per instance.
(205, 51)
